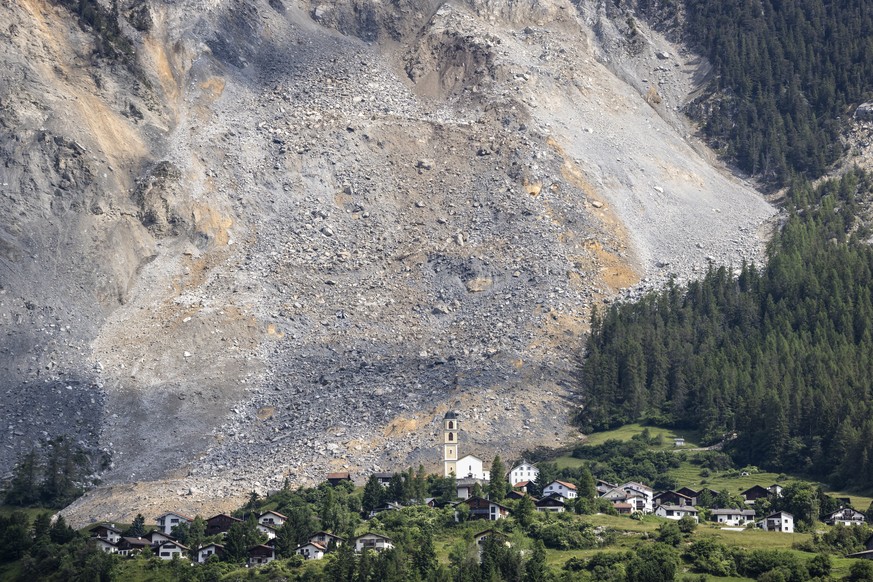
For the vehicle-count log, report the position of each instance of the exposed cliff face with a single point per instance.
(303, 231)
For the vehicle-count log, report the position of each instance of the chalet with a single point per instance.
(340, 477)
(689, 493)
(846, 516)
(522, 485)
(562, 488)
(481, 508)
(156, 538)
(267, 530)
(552, 503)
(218, 524)
(524, 471)
(110, 533)
(866, 554)
(754, 493)
(128, 546)
(260, 555)
(677, 512)
(464, 487)
(207, 551)
(325, 539)
(168, 521)
(272, 519)
(671, 498)
(384, 478)
(775, 490)
(471, 467)
(732, 517)
(311, 551)
(374, 542)
(482, 536)
(779, 521)
(105, 545)
(168, 550)
(637, 494)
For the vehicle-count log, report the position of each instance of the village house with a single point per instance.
(374, 542)
(603, 487)
(845, 516)
(105, 545)
(209, 550)
(324, 539)
(167, 550)
(677, 512)
(218, 524)
(384, 478)
(272, 519)
(311, 551)
(514, 494)
(780, 521)
(562, 488)
(105, 532)
(267, 530)
(754, 493)
(481, 508)
(157, 537)
(552, 503)
(523, 472)
(637, 494)
(339, 477)
(260, 555)
(390, 506)
(623, 508)
(679, 442)
(464, 487)
(671, 498)
(483, 536)
(732, 517)
(128, 546)
(689, 493)
(168, 521)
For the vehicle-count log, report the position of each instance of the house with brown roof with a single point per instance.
(339, 477)
(481, 508)
(218, 524)
(128, 546)
(110, 533)
(209, 550)
(324, 538)
(866, 554)
(105, 545)
(272, 519)
(677, 512)
(553, 503)
(260, 555)
(167, 550)
(671, 498)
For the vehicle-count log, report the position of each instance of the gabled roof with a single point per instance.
(521, 484)
(520, 463)
(316, 545)
(327, 533)
(756, 489)
(469, 457)
(276, 513)
(211, 544)
(676, 493)
(232, 518)
(633, 484)
(733, 512)
(137, 541)
(778, 513)
(564, 483)
(106, 527)
(369, 533)
(686, 508)
(474, 497)
(261, 548)
(172, 543)
(550, 500)
(177, 514)
(688, 492)
(339, 475)
(492, 532)
(383, 475)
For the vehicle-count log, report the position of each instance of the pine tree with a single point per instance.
(497, 485)
(374, 494)
(536, 570)
(137, 528)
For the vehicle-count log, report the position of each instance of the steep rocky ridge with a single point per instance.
(306, 230)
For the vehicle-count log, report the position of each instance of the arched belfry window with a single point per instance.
(451, 436)
(451, 425)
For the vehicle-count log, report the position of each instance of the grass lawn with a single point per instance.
(628, 431)
(31, 512)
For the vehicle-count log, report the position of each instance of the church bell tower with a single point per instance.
(450, 443)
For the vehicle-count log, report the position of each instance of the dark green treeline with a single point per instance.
(783, 356)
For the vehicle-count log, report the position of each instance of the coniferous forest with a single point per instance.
(779, 360)
(785, 74)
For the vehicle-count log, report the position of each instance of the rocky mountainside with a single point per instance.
(249, 240)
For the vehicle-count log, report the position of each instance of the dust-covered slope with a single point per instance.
(327, 223)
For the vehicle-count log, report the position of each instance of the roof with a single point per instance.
(369, 533)
(261, 547)
(631, 483)
(469, 457)
(211, 545)
(316, 545)
(687, 508)
(779, 513)
(383, 475)
(177, 514)
(663, 493)
(224, 515)
(755, 488)
(451, 414)
(622, 505)
(327, 533)
(732, 512)
(137, 541)
(173, 543)
(550, 500)
(340, 475)
(522, 462)
(483, 499)
(564, 483)
(489, 532)
(274, 513)
(522, 484)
